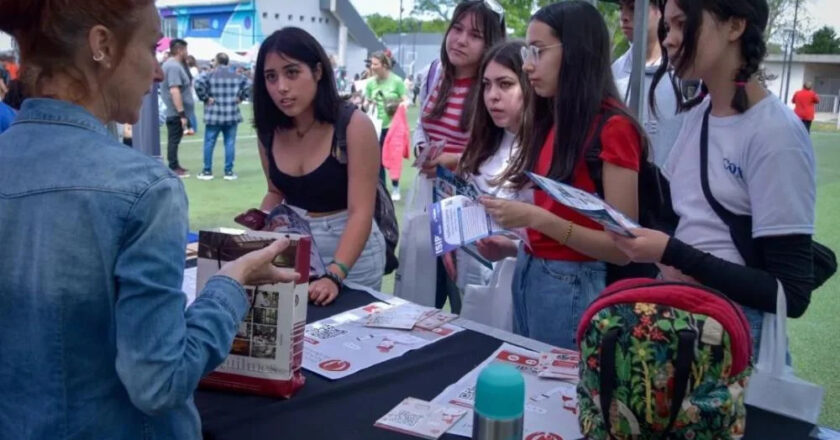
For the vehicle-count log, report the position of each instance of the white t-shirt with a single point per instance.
(761, 163)
(662, 129)
(495, 166)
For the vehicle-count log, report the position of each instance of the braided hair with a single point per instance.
(753, 47)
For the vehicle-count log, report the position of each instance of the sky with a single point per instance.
(822, 12)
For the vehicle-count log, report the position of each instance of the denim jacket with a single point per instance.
(95, 340)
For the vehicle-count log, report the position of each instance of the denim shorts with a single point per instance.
(550, 297)
(369, 267)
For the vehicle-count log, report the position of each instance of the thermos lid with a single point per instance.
(500, 392)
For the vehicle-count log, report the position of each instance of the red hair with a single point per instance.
(49, 34)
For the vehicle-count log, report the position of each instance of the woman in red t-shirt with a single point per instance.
(563, 269)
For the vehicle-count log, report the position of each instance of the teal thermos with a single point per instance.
(499, 408)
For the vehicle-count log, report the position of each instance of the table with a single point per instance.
(347, 409)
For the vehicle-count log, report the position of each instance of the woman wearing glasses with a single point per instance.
(563, 270)
(448, 98)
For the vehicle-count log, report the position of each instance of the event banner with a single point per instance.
(587, 204)
(346, 343)
(550, 405)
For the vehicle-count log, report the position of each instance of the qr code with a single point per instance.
(324, 331)
(404, 418)
(468, 394)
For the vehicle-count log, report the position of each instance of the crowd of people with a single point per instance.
(95, 322)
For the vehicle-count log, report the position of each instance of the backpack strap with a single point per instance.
(345, 113)
(682, 375)
(608, 379)
(740, 226)
(431, 76)
(592, 153)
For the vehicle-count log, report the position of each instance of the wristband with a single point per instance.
(182, 114)
(344, 269)
(334, 278)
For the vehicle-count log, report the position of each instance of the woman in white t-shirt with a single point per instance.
(760, 164)
(493, 142)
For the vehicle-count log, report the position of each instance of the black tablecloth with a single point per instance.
(347, 408)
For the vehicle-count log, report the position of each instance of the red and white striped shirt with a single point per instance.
(447, 127)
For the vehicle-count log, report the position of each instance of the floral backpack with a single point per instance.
(663, 360)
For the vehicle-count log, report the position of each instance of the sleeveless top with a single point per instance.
(322, 190)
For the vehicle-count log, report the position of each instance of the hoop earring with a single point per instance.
(99, 57)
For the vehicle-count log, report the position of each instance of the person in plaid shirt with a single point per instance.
(221, 90)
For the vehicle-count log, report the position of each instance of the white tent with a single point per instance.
(205, 49)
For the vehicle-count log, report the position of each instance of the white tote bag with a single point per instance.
(416, 278)
(773, 386)
(492, 304)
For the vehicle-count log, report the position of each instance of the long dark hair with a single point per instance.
(584, 85)
(298, 44)
(485, 136)
(493, 29)
(753, 48)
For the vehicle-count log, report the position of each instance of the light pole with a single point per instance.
(790, 56)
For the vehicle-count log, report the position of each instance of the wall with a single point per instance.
(797, 77)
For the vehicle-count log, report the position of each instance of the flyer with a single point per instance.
(458, 221)
(550, 405)
(420, 418)
(342, 345)
(432, 151)
(587, 204)
(448, 184)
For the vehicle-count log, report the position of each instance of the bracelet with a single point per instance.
(568, 234)
(344, 269)
(334, 278)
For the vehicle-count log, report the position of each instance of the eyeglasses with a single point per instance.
(532, 53)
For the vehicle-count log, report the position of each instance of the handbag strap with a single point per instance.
(740, 226)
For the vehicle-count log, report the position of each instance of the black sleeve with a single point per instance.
(787, 258)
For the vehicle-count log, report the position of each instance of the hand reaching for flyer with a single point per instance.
(647, 247)
(496, 248)
(511, 214)
(446, 160)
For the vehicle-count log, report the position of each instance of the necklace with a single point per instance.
(301, 134)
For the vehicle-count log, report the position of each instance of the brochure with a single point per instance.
(587, 204)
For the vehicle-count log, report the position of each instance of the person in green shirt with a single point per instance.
(386, 90)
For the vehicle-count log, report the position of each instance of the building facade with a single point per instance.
(240, 25)
(823, 71)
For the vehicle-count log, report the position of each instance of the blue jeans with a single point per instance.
(211, 133)
(550, 297)
(369, 267)
(193, 120)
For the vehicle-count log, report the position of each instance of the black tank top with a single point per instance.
(322, 190)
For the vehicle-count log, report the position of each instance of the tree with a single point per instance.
(823, 41)
(384, 24)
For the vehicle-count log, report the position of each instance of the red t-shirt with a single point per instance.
(620, 146)
(805, 101)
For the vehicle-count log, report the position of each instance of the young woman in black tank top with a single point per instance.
(296, 106)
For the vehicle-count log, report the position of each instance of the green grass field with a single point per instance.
(812, 337)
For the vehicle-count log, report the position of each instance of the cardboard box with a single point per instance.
(267, 351)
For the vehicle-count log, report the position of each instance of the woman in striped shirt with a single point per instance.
(448, 98)
(449, 94)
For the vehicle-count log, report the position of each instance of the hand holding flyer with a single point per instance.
(430, 152)
(587, 204)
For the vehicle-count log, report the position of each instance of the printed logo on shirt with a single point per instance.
(733, 168)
